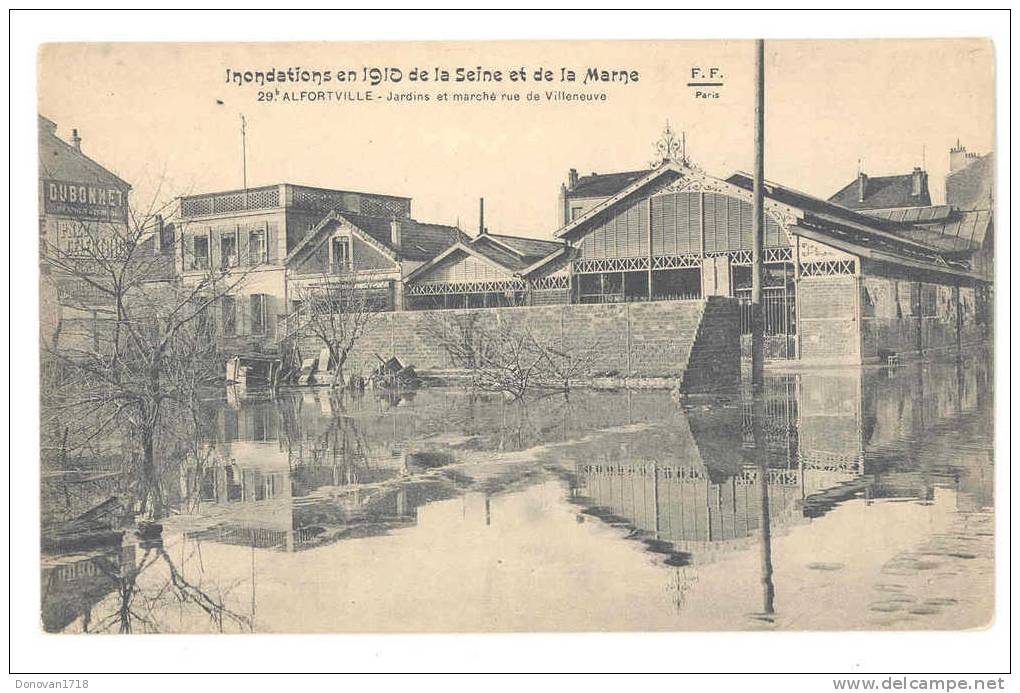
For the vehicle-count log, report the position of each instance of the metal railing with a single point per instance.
(209, 204)
(779, 324)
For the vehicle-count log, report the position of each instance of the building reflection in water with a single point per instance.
(817, 439)
(133, 588)
(693, 483)
(678, 476)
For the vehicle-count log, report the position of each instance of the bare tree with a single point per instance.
(566, 367)
(506, 355)
(131, 381)
(510, 361)
(146, 590)
(460, 335)
(336, 310)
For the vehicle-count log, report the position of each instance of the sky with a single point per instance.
(164, 116)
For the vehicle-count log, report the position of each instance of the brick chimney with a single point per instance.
(395, 233)
(75, 139)
(571, 178)
(918, 182)
(481, 216)
(862, 186)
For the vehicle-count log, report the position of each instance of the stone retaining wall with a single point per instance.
(697, 343)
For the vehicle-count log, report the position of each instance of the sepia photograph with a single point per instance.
(519, 336)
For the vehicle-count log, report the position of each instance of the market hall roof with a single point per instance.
(914, 215)
(419, 241)
(512, 255)
(860, 233)
(942, 226)
(813, 217)
(605, 184)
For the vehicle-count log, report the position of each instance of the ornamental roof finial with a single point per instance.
(670, 148)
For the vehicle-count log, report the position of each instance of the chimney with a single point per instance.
(957, 157)
(395, 232)
(919, 182)
(75, 139)
(481, 216)
(571, 178)
(862, 186)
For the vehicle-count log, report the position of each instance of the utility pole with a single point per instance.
(758, 217)
(757, 330)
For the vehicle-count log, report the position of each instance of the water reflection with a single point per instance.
(133, 589)
(740, 509)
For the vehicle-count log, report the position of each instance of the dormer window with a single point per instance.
(339, 254)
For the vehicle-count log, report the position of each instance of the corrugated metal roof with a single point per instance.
(913, 215)
(942, 226)
(809, 203)
(969, 228)
(871, 239)
(863, 231)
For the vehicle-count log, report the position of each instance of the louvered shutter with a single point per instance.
(272, 241)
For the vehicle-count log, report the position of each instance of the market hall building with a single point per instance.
(840, 286)
(492, 271)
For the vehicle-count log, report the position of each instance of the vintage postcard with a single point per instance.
(516, 336)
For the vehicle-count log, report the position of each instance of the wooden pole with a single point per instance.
(768, 589)
(765, 516)
(757, 337)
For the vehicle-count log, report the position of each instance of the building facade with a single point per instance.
(243, 238)
(964, 223)
(377, 253)
(874, 272)
(492, 271)
(83, 216)
(840, 286)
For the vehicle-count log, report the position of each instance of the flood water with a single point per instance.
(602, 510)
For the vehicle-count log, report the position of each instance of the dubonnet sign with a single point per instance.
(85, 200)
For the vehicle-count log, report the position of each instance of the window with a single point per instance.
(201, 253)
(166, 238)
(928, 300)
(575, 212)
(228, 310)
(340, 255)
(228, 250)
(258, 313)
(257, 247)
